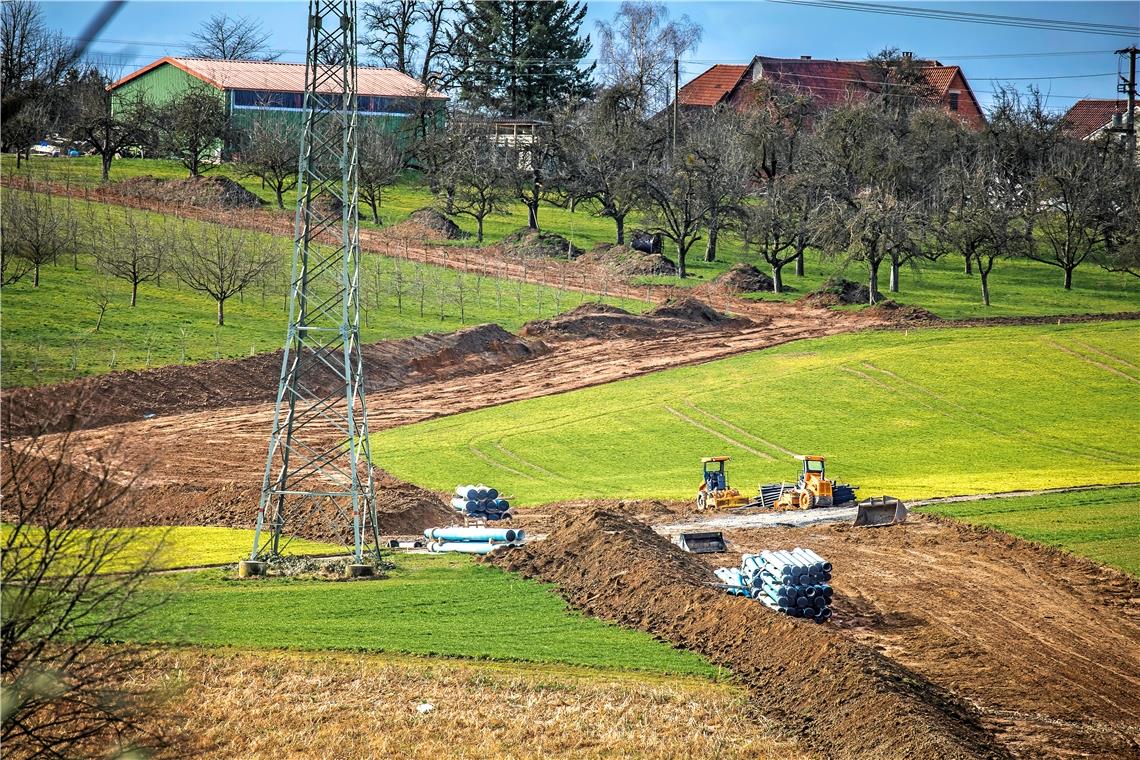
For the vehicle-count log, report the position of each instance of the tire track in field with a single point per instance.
(480, 455)
(891, 390)
(720, 435)
(1060, 444)
(1106, 354)
(1087, 360)
(740, 430)
(526, 463)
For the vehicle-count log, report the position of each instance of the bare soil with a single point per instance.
(745, 278)
(628, 261)
(594, 320)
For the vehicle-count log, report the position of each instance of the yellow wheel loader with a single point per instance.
(714, 491)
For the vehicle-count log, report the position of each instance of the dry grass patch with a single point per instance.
(279, 704)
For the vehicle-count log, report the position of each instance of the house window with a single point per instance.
(954, 100)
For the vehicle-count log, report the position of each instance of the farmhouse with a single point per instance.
(252, 86)
(1096, 118)
(827, 82)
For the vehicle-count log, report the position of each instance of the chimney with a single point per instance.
(907, 56)
(805, 57)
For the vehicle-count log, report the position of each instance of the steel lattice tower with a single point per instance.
(318, 465)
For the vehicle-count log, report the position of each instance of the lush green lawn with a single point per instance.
(1017, 287)
(435, 605)
(175, 547)
(1103, 525)
(913, 414)
(47, 333)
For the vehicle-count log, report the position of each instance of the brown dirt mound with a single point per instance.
(603, 321)
(838, 697)
(529, 243)
(840, 291)
(427, 224)
(133, 395)
(203, 192)
(628, 261)
(897, 312)
(745, 278)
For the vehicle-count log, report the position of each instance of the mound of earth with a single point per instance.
(837, 290)
(897, 312)
(528, 243)
(629, 261)
(427, 224)
(745, 278)
(593, 320)
(843, 699)
(203, 192)
(135, 394)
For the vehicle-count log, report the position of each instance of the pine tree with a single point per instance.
(521, 58)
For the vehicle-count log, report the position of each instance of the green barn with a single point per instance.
(248, 87)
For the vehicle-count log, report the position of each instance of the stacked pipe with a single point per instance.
(794, 583)
(471, 540)
(481, 502)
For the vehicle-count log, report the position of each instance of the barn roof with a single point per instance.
(1088, 115)
(285, 77)
(710, 87)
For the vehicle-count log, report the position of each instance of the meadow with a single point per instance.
(445, 605)
(1103, 525)
(909, 413)
(1017, 287)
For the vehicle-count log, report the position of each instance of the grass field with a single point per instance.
(48, 335)
(432, 605)
(1103, 525)
(1017, 287)
(913, 414)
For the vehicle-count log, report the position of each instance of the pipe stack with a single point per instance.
(481, 502)
(471, 540)
(794, 582)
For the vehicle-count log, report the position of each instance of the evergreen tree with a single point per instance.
(521, 58)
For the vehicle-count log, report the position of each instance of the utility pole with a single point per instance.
(677, 96)
(1129, 87)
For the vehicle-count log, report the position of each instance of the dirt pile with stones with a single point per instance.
(426, 224)
(138, 394)
(836, 291)
(200, 192)
(529, 244)
(840, 698)
(593, 320)
(629, 262)
(745, 278)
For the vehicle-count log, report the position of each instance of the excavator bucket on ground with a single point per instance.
(709, 542)
(881, 510)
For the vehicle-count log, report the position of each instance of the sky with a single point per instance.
(1065, 65)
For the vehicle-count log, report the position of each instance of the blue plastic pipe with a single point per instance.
(456, 533)
(462, 547)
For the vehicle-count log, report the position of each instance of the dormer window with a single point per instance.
(954, 100)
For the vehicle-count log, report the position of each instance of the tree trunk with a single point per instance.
(800, 261)
(280, 196)
(134, 293)
(619, 220)
(19, 157)
(36, 274)
(968, 269)
(221, 312)
(107, 157)
(874, 281)
(532, 214)
(1069, 278)
(681, 251)
(894, 286)
(372, 204)
(714, 229)
(985, 275)
(479, 236)
(777, 278)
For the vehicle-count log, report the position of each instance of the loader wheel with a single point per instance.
(807, 500)
(702, 501)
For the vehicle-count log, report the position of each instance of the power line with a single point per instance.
(1024, 22)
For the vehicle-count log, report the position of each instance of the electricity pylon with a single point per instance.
(318, 467)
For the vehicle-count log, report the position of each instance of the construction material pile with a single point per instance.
(794, 583)
(481, 502)
(471, 540)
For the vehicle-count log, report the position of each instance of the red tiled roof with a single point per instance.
(939, 77)
(285, 77)
(1088, 115)
(831, 81)
(710, 87)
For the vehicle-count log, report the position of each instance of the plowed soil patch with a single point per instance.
(1045, 645)
(837, 696)
(603, 321)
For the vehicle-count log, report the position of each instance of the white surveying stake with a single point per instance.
(318, 469)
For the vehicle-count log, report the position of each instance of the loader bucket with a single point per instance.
(881, 510)
(711, 542)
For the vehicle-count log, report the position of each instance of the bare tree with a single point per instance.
(108, 131)
(382, 159)
(778, 219)
(73, 573)
(268, 151)
(636, 51)
(715, 139)
(99, 296)
(33, 62)
(192, 127)
(231, 39)
(478, 172)
(221, 261)
(412, 36)
(37, 228)
(133, 253)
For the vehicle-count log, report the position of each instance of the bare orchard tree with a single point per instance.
(221, 261)
(37, 228)
(382, 159)
(73, 573)
(192, 126)
(1122, 232)
(412, 36)
(268, 149)
(478, 171)
(674, 201)
(778, 218)
(107, 131)
(716, 140)
(134, 253)
(636, 51)
(33, 65)
(231, 39)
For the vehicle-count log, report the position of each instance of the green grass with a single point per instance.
(1103, 525)
(443, 605)
(183, 546)
(47, 333)
(909, 413)
(1017, 287)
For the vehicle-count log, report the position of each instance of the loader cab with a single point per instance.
(714, 475)
(813, 469)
